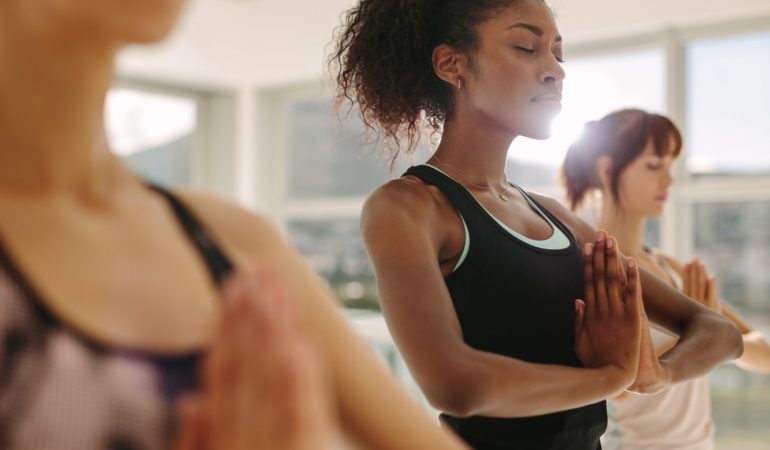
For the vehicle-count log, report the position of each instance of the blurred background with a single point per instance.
(238, 101)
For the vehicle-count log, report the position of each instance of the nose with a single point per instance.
(668, 178)
(553, 72)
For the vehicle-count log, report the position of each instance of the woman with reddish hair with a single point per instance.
(628, 156)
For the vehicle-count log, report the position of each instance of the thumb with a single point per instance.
(622, 396)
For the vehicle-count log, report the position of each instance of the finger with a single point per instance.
(224, 366)
(221, 387)
(600, 273)
(281, 308)
(287, 392)
(313, 417)
(691, 281)
(272, 325)
(694, 279)
(634, 307)
(700, 283)
(713, 293)
(589, 282)
(615, 299)
(704, 275)
(579, 316)
(191, 434)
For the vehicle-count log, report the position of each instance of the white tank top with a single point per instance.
(677, 418)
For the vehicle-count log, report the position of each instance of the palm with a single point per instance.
(650, 373)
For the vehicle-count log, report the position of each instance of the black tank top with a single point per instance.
(517, 300)
(60, 390)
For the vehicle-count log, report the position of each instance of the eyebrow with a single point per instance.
(534, 29)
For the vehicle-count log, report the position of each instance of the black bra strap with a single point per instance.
(218, 264)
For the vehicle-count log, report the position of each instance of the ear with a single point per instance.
(448, 64)
(604, 171)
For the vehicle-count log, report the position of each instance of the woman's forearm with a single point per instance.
(707, 341)
(706, 338)
(756, 353)
(498, 386)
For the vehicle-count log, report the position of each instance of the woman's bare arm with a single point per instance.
(375, 412)
(706, 339)
(756, 350)
(399, 224)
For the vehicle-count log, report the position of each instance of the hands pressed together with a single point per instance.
(611, 327)
(264, 386)
(701, 286)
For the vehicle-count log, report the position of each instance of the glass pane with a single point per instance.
(153, 133)
(335, 249)
(594, 86)
(734, 238)
(728, 105)
(651, 236)
(734, 241)
(328, 157)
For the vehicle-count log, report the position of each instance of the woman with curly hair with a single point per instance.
(513, 314)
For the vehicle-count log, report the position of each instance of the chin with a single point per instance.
(538, 134)
(538, 126)
(144, 25)
(145, 36)
(656, 212)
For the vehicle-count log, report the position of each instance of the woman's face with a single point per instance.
(643, 184)
(109, 21)
(518, 79)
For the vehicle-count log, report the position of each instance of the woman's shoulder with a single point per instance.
(667, 259)
(406, 198)
(245, 235)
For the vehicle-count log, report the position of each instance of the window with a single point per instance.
(733, 239)
(728, 105)
(335, 249)
(153, 133)
(318, 145)
(328, 170)
(175, 136)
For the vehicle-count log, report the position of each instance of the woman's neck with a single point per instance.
(475, 151)
(51, 113)
(627, 228)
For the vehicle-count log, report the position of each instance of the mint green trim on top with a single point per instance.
(466, 245)
(557, 241)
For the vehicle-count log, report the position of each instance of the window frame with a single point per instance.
(212, 149)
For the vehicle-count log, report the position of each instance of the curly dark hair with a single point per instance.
(382, 61)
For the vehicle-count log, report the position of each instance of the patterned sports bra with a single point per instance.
(59, 390)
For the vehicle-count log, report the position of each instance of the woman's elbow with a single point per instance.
(455, 398)
(732, 336)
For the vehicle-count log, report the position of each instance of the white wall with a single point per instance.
(265, 42)
(582, 20)
(236, 42)
(237, 47)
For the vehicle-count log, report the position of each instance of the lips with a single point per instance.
(550, 96)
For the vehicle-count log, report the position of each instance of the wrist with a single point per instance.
(616, 378)
(662, 380)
